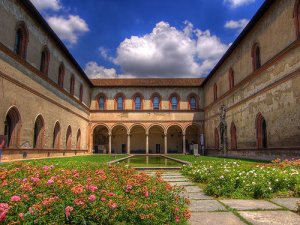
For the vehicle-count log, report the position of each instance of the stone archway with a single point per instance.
(138, 140)
(100, 139)
(156, 140)
(56, 136)
(119, 139)
(175, 137)
(192, 134)
(39, 132)
(69, 138)
(12, 127)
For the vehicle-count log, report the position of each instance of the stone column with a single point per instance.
(128, 143)
(183, 144)
(147, 143)
(166, 144)
(109, 143)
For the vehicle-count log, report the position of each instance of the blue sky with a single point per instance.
(147, 38)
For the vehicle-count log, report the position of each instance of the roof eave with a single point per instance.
(38, 17)
(259, 14)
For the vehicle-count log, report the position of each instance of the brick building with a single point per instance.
(248, 106)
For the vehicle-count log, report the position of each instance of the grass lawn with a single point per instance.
(193, 159)
(76, 162)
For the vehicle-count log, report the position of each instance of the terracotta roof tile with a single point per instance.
(148, 82)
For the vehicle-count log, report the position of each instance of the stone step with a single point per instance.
(250, 204)
(196, 196)
(181, 184)
(206, 206)
(215, 218)
(192, 189)
(176, 179)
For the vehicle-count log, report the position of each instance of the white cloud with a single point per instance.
(104, 52)
(47, 4)
(167, 51)
(94, 71)
(68, 28)
(238, 3)
(236, 24)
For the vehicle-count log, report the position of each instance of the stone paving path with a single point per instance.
(209, 211)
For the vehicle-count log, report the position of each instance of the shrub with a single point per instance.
(244, 180)
(110, 195)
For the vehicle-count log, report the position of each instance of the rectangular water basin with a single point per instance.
(156, 162)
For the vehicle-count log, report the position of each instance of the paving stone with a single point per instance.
(250, 204)
(178, 175)
(191, 189)
(271, 217)
(195, 195)
(180, 184)
(172, 174)
(176, 179)
(289, 203)
(214, 218)
(199, 195)
(206, 206)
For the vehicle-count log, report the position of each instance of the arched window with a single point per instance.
(21, 40)
(156, 101)
(38, 134)
(215, 91)
(69, 138)
(12, 127)
(120, 101)
(192, 101)
(261, 131)
(45, 58)
(101, 101)
(216, 138)
(297, 17)
(256, 57)
(61, 75)
(78, 140)
(174, 101)
(233, 136)
(231, 78)
(72, 84)
(193, 105)
(137, 101)
(81, 92)
(56, 136)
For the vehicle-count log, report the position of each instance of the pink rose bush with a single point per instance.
(87, 195)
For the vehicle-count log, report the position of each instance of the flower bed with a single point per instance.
(244, 180)
(110, 195)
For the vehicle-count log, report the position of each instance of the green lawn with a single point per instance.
(197, 159)
(75, 162)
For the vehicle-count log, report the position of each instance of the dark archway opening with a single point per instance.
(101, 140)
